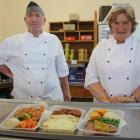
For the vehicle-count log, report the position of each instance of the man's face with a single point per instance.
(34, 22)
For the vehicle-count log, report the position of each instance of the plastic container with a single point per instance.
(56, 130)
(23, 106)
(83, 131)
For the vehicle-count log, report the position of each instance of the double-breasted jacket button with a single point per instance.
(131, 48)
(43, 68)
(29, 82)
(109, 78)
(109, 49)
(45, 41)
(108, 61)
(130, 61)
(111, 95)
(27, 68)
(44, 54)
(25, 54)
(41, 82)
(127, 78)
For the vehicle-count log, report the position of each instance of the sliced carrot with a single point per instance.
(22, 124)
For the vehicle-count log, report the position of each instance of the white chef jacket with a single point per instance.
(36, 64)
(115, 66)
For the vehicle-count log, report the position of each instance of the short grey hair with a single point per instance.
(127, 10)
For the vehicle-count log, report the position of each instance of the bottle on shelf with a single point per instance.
(72, 54)
(67, 51)
(81, 54)
(86, 54)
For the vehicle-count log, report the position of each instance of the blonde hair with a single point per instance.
(127, 10)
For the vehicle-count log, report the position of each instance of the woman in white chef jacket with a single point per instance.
(113, 72)
(35, 61)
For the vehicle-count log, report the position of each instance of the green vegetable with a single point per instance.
(115, 122)
(26, 116)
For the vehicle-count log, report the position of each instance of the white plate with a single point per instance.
(90, 132)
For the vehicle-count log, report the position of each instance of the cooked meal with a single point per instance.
(62, 120)
(103, 120)
(27, 117)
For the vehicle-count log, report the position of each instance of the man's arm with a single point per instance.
(5, 70)
(98, 92)
(65, 88)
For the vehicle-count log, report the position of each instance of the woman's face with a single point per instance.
(121, 28)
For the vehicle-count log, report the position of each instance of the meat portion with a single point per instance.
(29, 112)
(64, 111)
(100, 126)
(104, 127)
(89, 126)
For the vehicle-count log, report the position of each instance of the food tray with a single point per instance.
(81, 126)
(62, 131)
(22, 106)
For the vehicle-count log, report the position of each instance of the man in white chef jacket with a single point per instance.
(35, 61)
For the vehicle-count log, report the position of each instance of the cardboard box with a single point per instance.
(69, 27)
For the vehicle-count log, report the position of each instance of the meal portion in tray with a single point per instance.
(24, 117)
(62, 119)
(102, 121)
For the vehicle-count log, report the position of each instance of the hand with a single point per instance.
(104, 100)
(67, 97)
(122, 99)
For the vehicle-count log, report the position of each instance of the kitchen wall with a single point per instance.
(12, 12)
(2, 6)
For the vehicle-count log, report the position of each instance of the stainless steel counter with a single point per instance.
(130, 131)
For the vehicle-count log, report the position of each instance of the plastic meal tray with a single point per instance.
(12, 114)
(92, 132)
(62, 131)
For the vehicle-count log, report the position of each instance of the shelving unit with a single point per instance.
(83, 36)
(80, 37)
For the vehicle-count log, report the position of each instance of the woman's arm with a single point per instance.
(135, 97)
(5, 70)
(136, 94)
(98, 92)
(122, 99)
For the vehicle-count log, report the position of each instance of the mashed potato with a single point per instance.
(61, 122)
(111, 115)
(11, 123)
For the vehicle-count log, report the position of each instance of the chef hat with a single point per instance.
(33, 7)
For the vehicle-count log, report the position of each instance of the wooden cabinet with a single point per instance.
(78, 93)
(79, 36)
(78, 39)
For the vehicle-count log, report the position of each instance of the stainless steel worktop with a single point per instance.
(130, 131)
